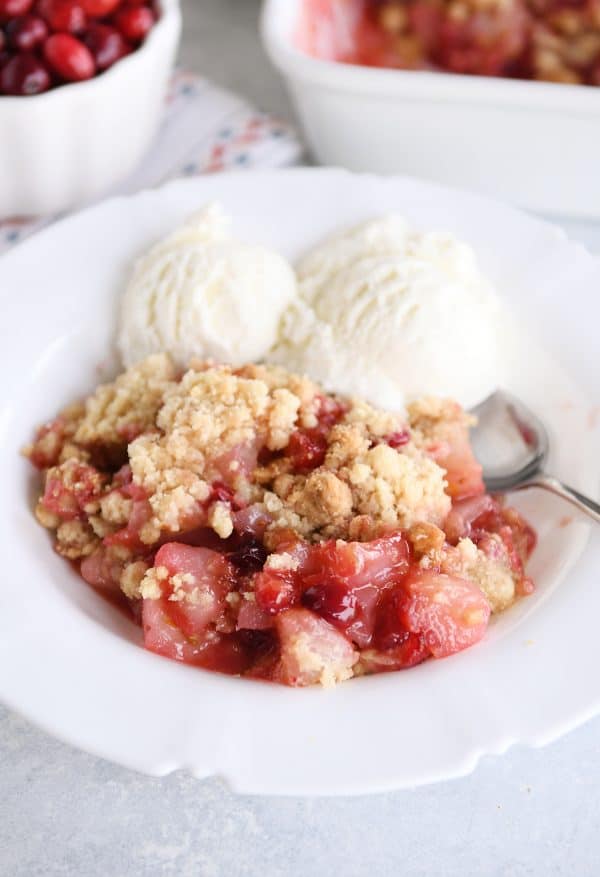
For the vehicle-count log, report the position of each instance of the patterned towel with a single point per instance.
(205, 129)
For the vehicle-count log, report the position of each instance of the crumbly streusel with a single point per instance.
(187, 434)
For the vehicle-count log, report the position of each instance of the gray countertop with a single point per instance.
(62, 812)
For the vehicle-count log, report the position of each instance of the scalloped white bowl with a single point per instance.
(73, 664)
(62, 148)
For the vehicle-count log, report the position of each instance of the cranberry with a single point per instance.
(134, 22)
(307, 449)
(397, 439)
(330, 411)
(2, 40)
(69, 58)
(106, 44)
(62, 15)
(24, 75)
(99, 8)
(250, 556)
(4, 58)
(11, 8)
(333, 601)
(26, 32)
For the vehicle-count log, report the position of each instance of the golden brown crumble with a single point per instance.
(127, 406)
(75, 539)
(494, 578)
(433, 420)
(324, 670)
(208, 427)
(131, 578)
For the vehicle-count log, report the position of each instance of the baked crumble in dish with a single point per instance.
(547, 40)
(255, 525)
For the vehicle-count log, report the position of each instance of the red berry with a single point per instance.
(134, 22)
(250, 556)
(26, 32)
(334, 601)
(2, 40)
(397, 439)
(69, 58)
(307, 449)
(24, 74)
(11, 8)
(99, 8)
(62, 15)
(106, 44)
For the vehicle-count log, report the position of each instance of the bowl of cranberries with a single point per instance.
(82, 84)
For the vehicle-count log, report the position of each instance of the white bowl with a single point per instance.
(75, 665)
(61, 148)
(532, 143)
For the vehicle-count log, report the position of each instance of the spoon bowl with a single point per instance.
(512, 445)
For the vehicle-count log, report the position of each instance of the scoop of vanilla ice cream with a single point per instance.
(390, 314)
(201, 293)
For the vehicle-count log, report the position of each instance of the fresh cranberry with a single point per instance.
(250, 556)
(62, 15)
(24, 75)
(397, 439)
(333, 601)
(99, 8)
(2, 40)
(26, 32)
(134, 22)
(69, 58)
(106, 44)
(11, 8)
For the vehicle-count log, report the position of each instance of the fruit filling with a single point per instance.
(551, 40)
(255, 525)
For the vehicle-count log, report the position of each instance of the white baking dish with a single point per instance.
(535, 144)
(61, 148)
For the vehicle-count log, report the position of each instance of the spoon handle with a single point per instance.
(583, 503)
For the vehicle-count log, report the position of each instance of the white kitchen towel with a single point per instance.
(205, 129)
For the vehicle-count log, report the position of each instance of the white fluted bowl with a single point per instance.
(61, 148)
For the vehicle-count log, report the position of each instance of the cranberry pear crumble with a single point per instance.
(258, 526)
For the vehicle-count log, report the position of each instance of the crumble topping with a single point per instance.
(126, 407)
(75, 539)
(207, 428)
(282, 561)
(131, 579)
(434, 421)
(300, 649)
(493, 576)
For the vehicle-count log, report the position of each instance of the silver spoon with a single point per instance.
(512, 445)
